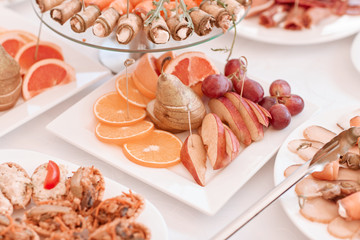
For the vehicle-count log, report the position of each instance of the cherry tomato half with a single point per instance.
(53, 175)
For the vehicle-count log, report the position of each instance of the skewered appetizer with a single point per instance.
(160, 20)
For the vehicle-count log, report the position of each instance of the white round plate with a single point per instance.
(326, 118)
(355, 52)
(29, 160)
(330, 29)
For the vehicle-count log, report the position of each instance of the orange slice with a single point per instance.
(159, 149)
(159, 60)
(46, 74)
(119, 135)
(143, 90)
(111, 109)
(26, 54)
(146, 72)
(132, 93)
(11, 42)
(191, 67)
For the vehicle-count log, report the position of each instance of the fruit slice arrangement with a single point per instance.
(186, 93)
(331, 196)
(41, 66)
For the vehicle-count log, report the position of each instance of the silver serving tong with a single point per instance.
(331, 151)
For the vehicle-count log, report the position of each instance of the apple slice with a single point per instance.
(213, 137)
(262, 118)
(233, 146)
(250, 119)
(265, 111)
(317, 133)
(193, 157)
(228, 113)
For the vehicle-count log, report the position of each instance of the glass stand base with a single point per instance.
(114, 60)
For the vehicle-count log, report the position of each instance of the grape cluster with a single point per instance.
(281, 103)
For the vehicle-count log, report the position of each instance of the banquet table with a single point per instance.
(322, 74)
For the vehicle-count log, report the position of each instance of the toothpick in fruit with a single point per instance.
(127, 64)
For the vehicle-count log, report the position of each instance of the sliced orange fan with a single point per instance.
(111, 109)
(119, 135)
(159, 149)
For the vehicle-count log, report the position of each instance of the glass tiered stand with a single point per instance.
(112, 54)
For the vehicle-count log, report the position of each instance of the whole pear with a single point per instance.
(175, 102)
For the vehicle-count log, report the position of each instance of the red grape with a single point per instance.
(267, 102)
(252, 90)
(280, 88)
(280, 116)
(216, 85)
(233, 66)
(294, 103)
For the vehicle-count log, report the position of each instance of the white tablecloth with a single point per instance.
(322, 74)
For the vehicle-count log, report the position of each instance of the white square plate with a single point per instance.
(77, 126)
(88, 72)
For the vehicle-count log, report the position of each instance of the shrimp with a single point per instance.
(121, 6)
(102, 4)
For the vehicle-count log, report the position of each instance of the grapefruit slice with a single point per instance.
(191, 67)
(46, 74)
(26, 54)
(12, 43)
(27, 36)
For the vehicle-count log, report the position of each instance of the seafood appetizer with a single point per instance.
(120, 229)
(51, 219)
(87, 188)
(298, 15)
(331, 196)
(160, 20)
(49, 182)
(15, 185)
(127, 206)
(11, 229)
(65, 207)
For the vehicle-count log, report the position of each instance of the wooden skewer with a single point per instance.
(38, 37)
(128, 63)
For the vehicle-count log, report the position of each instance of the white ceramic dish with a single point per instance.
(355, 52)
(326, 118)
(88, 72)
(29, 160)
(77, 124)
(330, 29)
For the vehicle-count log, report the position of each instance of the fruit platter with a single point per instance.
(317, 191)
(21, 99)
(54, 191)
(189, 165)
